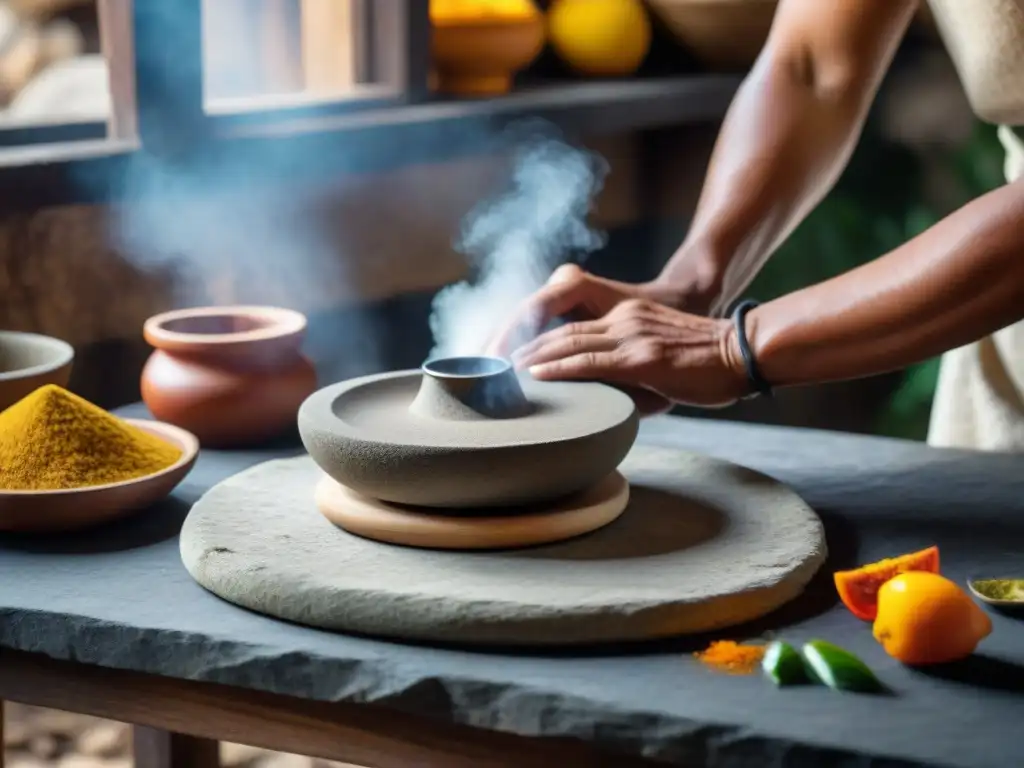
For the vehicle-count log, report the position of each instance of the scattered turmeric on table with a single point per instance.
(55, 440)
(731, 657)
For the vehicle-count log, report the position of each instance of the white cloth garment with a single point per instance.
(979, 401)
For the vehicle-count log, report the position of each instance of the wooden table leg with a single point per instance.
(154, 748)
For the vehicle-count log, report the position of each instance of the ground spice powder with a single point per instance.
(55, 440)
(732, 657)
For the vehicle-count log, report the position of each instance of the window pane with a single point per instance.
(54, 73)
(256, 50)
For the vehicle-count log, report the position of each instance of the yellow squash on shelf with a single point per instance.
(600, 38)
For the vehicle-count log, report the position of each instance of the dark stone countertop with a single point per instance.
(121, 598)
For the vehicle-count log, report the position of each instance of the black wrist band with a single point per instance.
(757, 381)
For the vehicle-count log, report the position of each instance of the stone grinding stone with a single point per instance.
(362, 433)
(703, 545)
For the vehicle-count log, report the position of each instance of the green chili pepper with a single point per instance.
(839, 669)
(783, 665)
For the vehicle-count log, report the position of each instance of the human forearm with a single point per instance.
(959, 281)
(786, 139)
(780, 150)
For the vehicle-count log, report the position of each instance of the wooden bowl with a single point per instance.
(67, 510)
(29, 361)
(478, 58)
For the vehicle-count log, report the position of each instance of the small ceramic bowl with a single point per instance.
(29, 361)
(1014, 602)
(479, 57)
(67, 510)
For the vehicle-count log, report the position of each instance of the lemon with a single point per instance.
(924, 618)
(602, 38)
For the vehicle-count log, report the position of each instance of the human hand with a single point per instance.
(569, 292)
(573, 292)
(643, 344)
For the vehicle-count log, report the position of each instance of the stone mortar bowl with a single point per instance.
(467, 432)
(29, 361)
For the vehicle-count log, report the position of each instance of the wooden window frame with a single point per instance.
(392, 123)
(158, 101)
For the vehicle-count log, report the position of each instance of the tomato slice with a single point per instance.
(858, 589)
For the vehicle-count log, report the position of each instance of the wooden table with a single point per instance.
(167, 709)
(111, 625)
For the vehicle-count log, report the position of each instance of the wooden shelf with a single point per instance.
(326, 140)
(602, 106)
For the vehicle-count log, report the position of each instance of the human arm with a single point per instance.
(787, 137)
(957, 282)
(961, 280)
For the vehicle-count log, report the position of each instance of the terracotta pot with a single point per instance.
(479, 57)
(724, 35)
(229, 375)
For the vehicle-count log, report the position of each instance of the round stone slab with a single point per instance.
(702, 545)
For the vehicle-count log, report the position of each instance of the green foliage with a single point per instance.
(877, 206)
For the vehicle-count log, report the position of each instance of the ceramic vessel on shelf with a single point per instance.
(467, 432)
(232, 376)
(29, 361)
(68, 510)
(724, 35)
(477, 48)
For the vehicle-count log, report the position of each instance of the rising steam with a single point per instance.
(515, 241)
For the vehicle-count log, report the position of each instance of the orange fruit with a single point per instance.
(924, 618)
(858, 589)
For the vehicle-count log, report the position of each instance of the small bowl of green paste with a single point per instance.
(1007, 594)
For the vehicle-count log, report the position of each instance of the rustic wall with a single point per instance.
(68, 272)
(63, 271)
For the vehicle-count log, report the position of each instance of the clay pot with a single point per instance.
(29, 361)
(479, 57)
(231, 376)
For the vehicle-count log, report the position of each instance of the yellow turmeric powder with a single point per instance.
(732, 657)
(55, 440)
